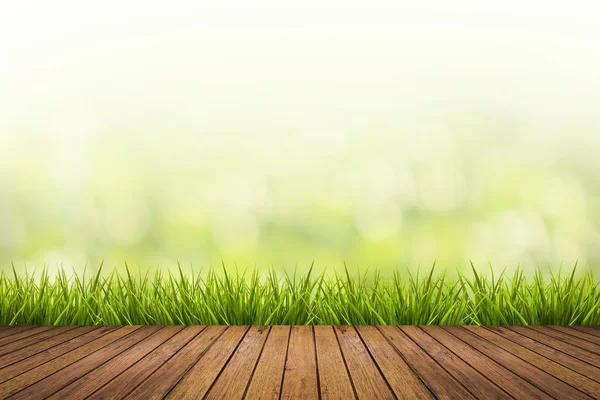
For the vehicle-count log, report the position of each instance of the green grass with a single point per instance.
(217, 297)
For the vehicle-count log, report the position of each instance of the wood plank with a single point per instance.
(40, 372)
(546, 382)
(53, 383)
(199, 379)
(402, 379)
(38, 347)
(469, 377)
(333, 374)
(501, 376)
(98, 377)
(592, 330)
(300, 374)
(583, 344)
(557, 344)
(44, 356)
(19, 344)
(439, 381)
(267, 379)
(4, 342)
(561, 372)
(12, 330)
(574, 332)
(160, 383)
(567, 360)
(366, 378)
(235, 376)
(122, 385)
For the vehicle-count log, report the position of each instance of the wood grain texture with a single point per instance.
(50, 341)
(504, 378)
(543, 380)
(469, 377)
(300, 374)
(438, 380)
(321, 362)
(44, 370)
(58, 380)
(166, 377)
(268, 376)
(103, 374)
(558, 344)
(11, 330)
(403, 381)
(122, 385)
(333, 373)
(559, 371)
(592, 330)
(199, 379)
(368, 381)
(577, 333)
(567, 338)
(234, 378)
(551, 353)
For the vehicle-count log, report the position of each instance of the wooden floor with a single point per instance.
(367, 362)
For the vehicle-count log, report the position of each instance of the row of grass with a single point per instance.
(218, 297)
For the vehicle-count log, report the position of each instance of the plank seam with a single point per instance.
(105, 361)
(502, 366)
(345, 362)
(465, 361)
(554, 346)
(406, 361)
(256, 363)
(374, 362)
(542, 355)
(316, 362)
(74, 361)
(579, 328)
(559, 338)
(194, 363)
(74, 349)
(140, 359)
(161, 365)
(287, 353)
(237, 346)
(534, 366)
(435, 361)
(573, 336)
(49, 348)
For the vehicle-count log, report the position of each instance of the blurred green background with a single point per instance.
(380, 135)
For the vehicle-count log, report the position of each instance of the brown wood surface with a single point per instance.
(551, 353)
(11, 330)
(543, 380)
(368, 381)
(234, 378)
(268, 376)
(561, 372)
(300, 374)
(558, 344)
(122, 385)
(170, 373)
(440, 382)
(334, 380)
(48, 342)
(567, 338)
(469, 377)
(321, 362)
(588, 329)
(577, 333)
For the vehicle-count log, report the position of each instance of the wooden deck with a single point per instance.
(366, 362)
